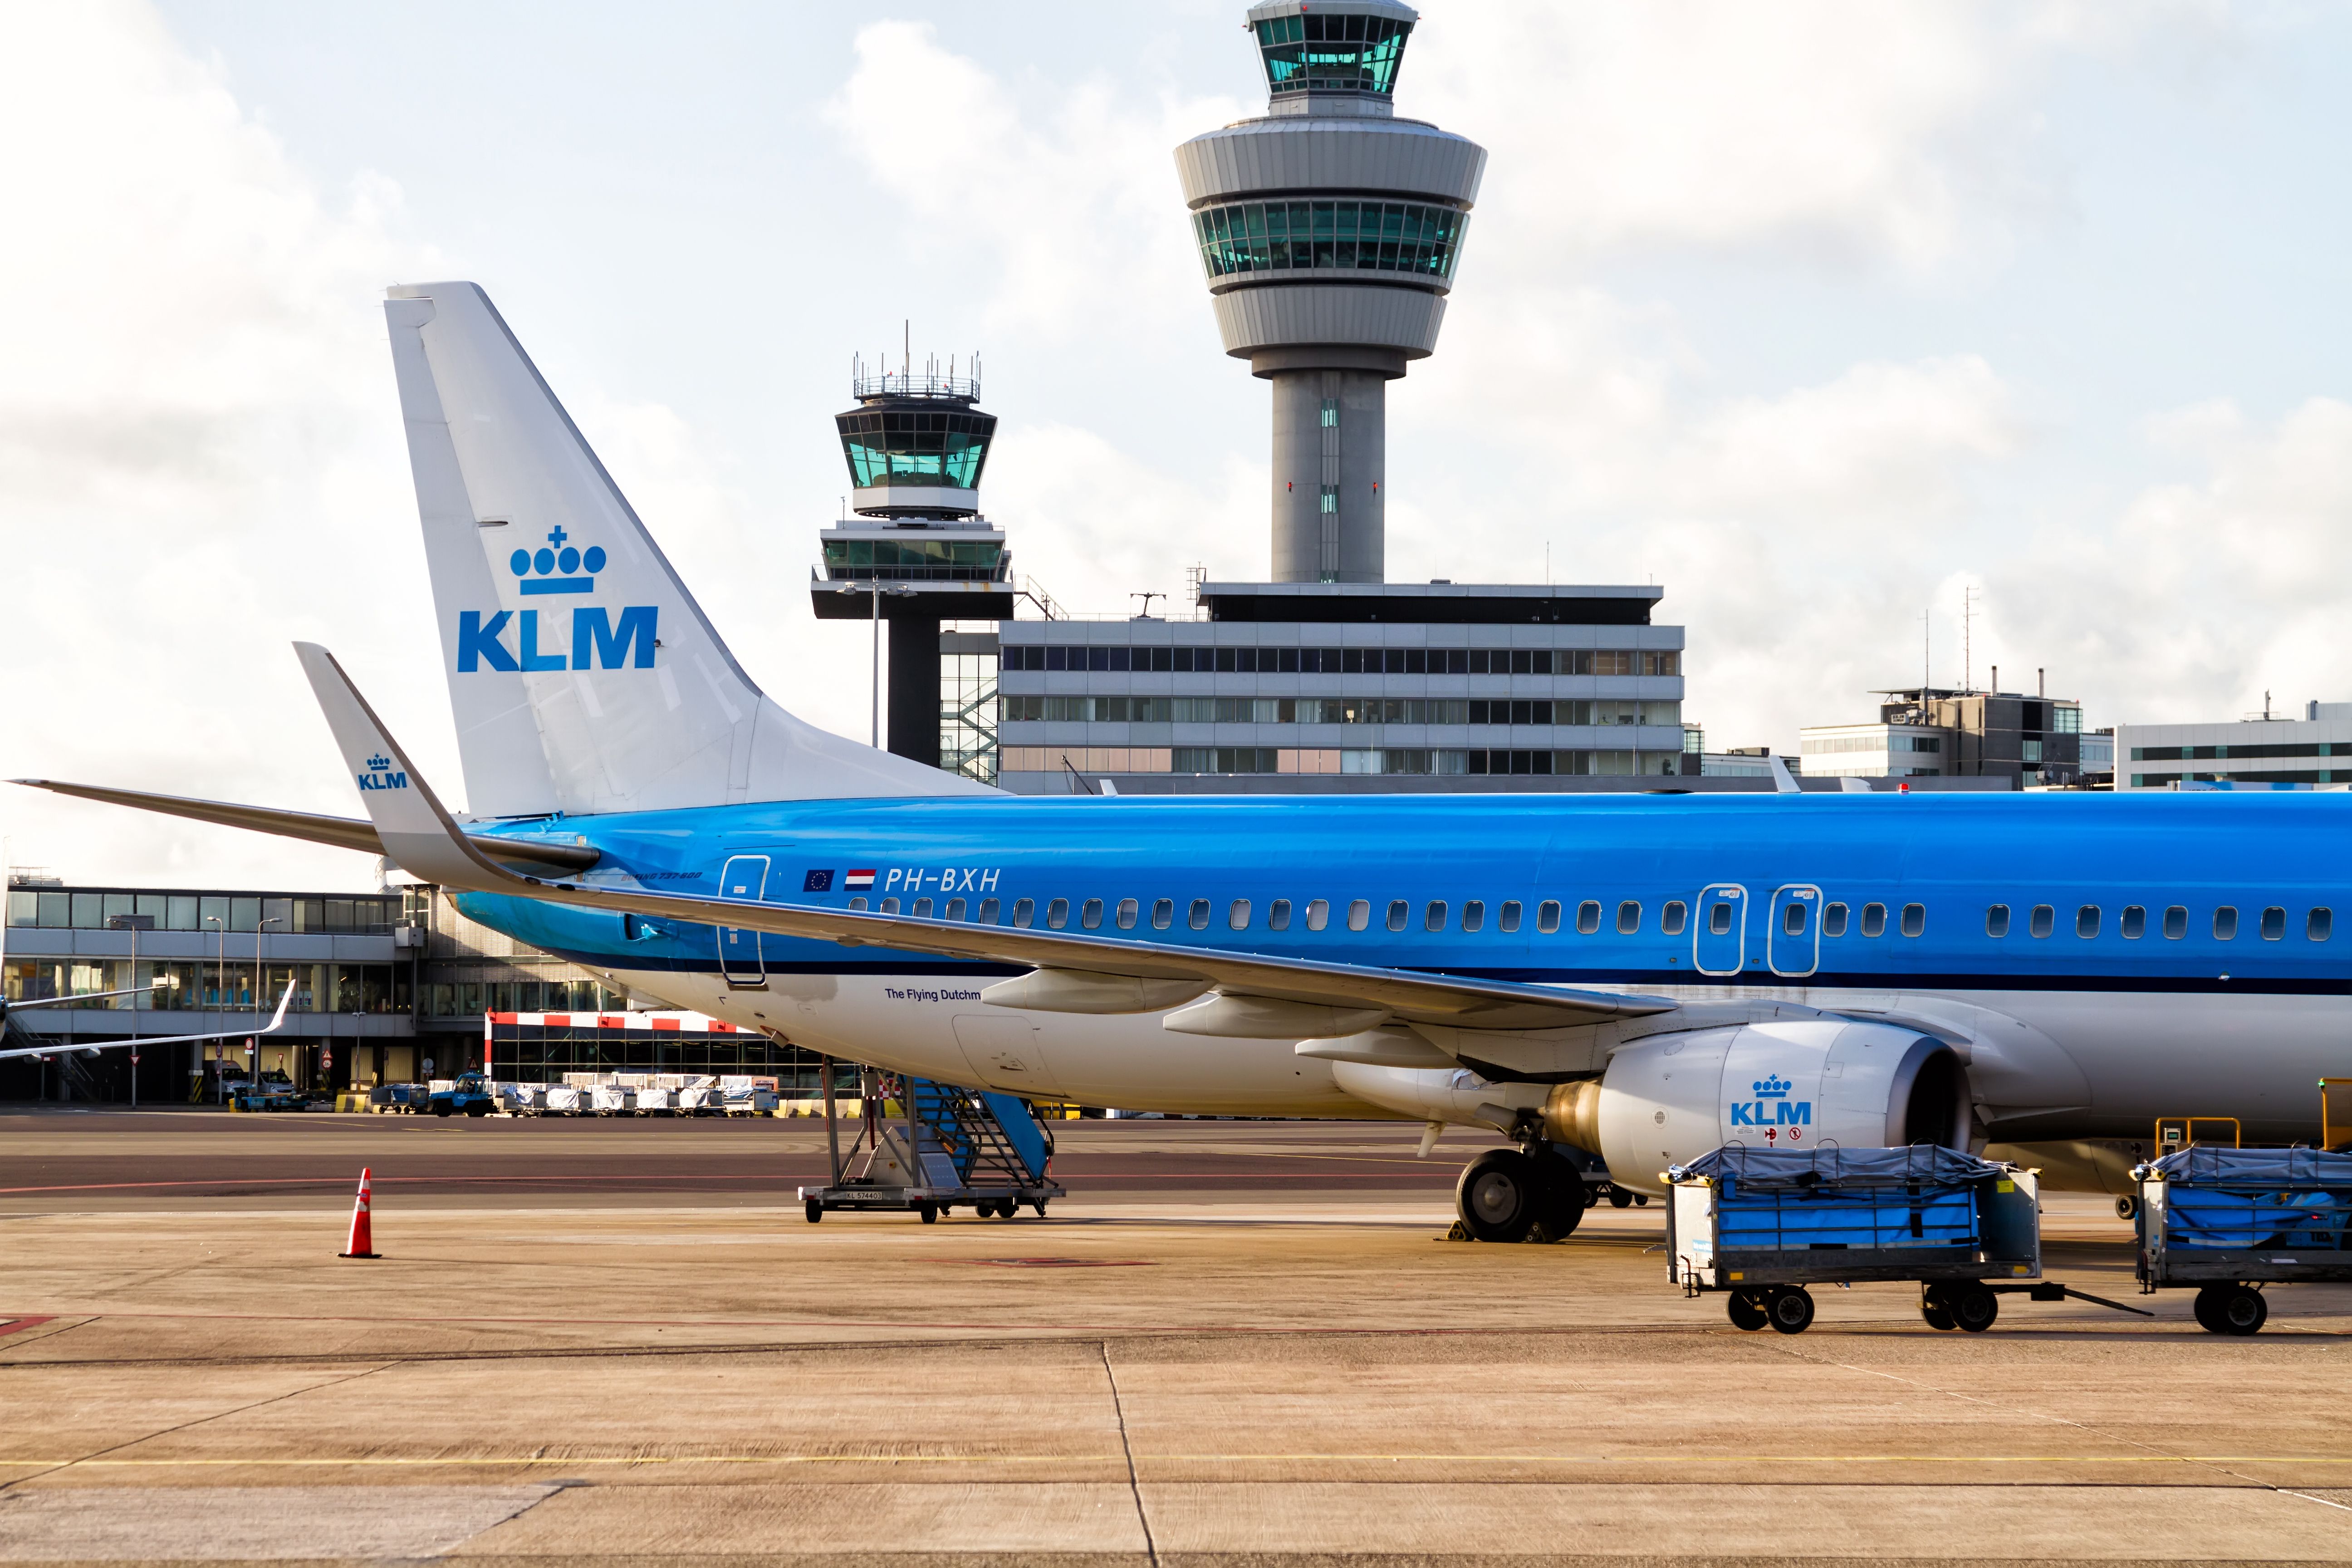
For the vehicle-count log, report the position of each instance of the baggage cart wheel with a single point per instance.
(1747, 1313)
(1973, 1308)
(1790, 1310)
(815, 1211)
(2126, 1208)
(2203, 1307)
(1498, 1194)
(1618, 1198)
(931, 1213)
(2238, 1309)
(1936, 1310)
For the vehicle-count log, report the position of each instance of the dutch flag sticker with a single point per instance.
(856, 879)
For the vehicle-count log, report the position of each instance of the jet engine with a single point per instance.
(1799, 1084)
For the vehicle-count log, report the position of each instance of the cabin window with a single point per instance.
(1024, 910)
(955, 909)
(2043, 922)
(1719, 920)
(1277, 915)
(889, 906)
(1997, 920)
(1873, 920)
(1671, 918)
(1318, 913)
(1399, 911)
(988, 907)
(1588, 917)
(1507, 919)
(2135, 923)
(856, 903)
(1198, 917)
(922, 909)
(1163, 913)
(1792, 918)
(2318, 924)
(1090, 914)
(1359, 913)
(1237, 914)
(2087, 920)
(1434, 917)
(1125, 915)
(1915, 919)
(2274, 923)
(1834, 920)
(1628, 918)
(1547, 916)
(2225, 923)
(1058, 914)
(2176, 923)
(1474, 916)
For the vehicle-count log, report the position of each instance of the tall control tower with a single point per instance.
(1330, 230)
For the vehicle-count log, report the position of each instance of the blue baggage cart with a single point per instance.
(2228, 1221)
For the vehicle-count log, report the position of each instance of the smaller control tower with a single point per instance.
(1328, 230)
(917, 553)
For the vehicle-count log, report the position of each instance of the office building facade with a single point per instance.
(2314, 750)
(2020, 740)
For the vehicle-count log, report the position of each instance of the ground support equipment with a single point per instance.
(2228, 1221)
(1764, 1224)
(951, 1148)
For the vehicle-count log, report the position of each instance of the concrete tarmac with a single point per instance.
(1288, 1367)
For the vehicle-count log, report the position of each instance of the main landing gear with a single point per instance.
(1507, 1194)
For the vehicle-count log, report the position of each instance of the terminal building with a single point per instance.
(2019, 740)
(2260, 749)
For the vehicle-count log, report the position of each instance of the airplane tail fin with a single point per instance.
(583, 676)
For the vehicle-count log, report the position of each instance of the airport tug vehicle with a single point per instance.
(1764, 1224)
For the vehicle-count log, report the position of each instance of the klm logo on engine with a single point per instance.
(1771, 1106)
(596, 641)
(380, 774)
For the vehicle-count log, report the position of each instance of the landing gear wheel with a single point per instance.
(1973, 1308)
(814, 1210)
(1791, 1311)
(1618, 1198)
(1747, 1313)
(1936, 1310)
(931, 1213)
(1499, 1196)
(1641, 1200)
(2237, 1309)
(1561, 1203)
(2126, 1208)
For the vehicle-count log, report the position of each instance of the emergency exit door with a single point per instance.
(739, 950)
(1719, 939)
(1792, 937)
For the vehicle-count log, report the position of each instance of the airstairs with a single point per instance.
(949, 1147)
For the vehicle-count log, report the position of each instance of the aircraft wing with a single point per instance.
(69, 1047)
(425, 840)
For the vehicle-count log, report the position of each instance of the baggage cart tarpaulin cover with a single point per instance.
(1777, 1170)
(2297, 1200)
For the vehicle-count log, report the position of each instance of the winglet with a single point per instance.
(1783, 781)
(417, 831)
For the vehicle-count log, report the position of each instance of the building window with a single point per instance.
(1507, 919)
(1398, 910)
(1163, 913)
(1318, 913)
(1474, 916)
(1277, 915)
(1997, 920)
(2274, 923)
(2087, 920)
(1834, 921)
(2042, 921)
(2225, 923)
(2318, 924)
(1873, 920)
(1024, 910)
(1237, 915)
(1125, 915)
(1379, 237)
(1434, 917)
(1198, 918)
(2176, 923)
(1058, 914)
(1547, 916)
(1090, 914)
(1915, 919)
(1359, 913)
(1671, 918)
(2135, 923)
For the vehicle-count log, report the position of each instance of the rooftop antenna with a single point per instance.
(1926, 651)
(907, 347)
(1147, 599)
(1968, 657)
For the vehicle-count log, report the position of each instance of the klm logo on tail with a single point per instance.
(380, 774)
(596, 641)
(1772, 1107)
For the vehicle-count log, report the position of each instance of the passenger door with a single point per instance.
(739, 959)
(1719, 934)
(1792, 941)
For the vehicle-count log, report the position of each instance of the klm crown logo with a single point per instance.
(1772, 1087)
(556, 567)
(381, 774)
(379, 762)
(1771, 1108)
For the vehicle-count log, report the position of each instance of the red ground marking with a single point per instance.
(11, 1325)
(1054, 1262)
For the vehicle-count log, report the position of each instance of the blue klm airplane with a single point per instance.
(1613, 981)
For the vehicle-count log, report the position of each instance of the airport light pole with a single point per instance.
(220, 971)
(259, 984)
(134, 924)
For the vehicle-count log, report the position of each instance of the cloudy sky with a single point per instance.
(1818, 313)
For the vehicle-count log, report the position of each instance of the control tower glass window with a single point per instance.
(916, 447)
(1364, 236)
(915, 559)
(1333, 54)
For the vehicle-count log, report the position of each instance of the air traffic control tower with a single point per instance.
(1330, 230)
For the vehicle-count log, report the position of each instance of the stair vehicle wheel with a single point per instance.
(1973, 1308)
(1748, 1314)
(2239, 1309)
(931, 1213)
(1618, 1198)
(2126, 1208)
(1498, 1194)
(1006, 1209)
(1791, 1311)
(1040, 1207)
(814, 1209)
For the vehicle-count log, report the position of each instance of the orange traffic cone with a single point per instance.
(362, 1242)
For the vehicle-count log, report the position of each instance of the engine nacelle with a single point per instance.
(1668, 1099)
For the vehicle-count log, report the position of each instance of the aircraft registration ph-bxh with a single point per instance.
(1619, 979)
